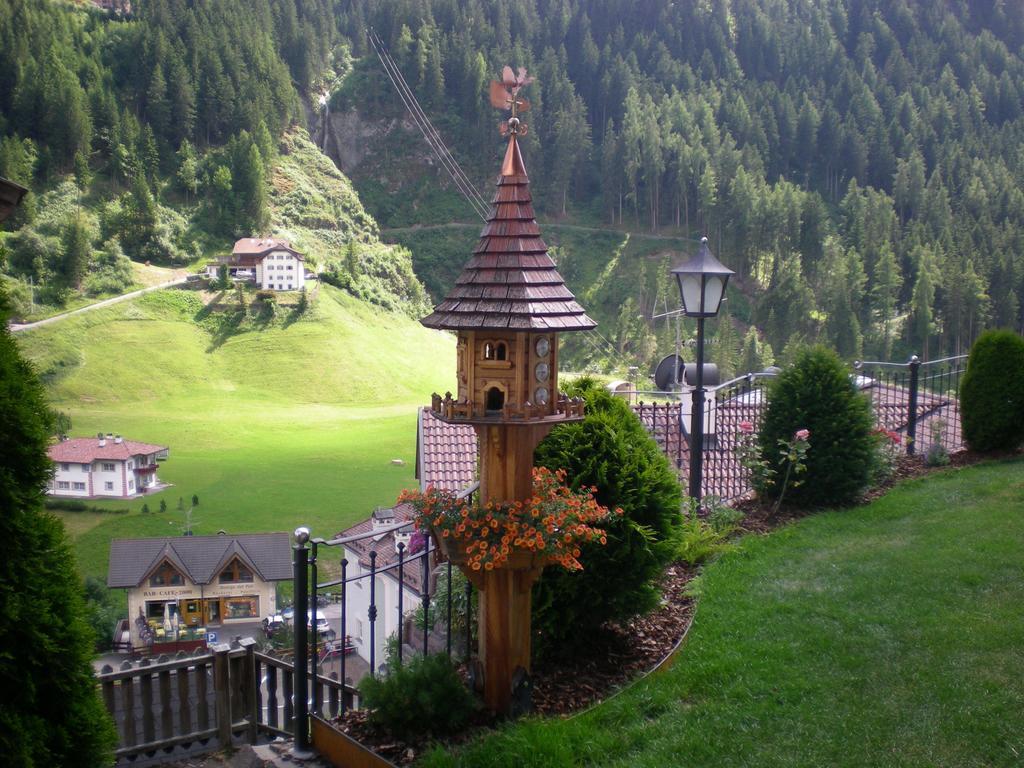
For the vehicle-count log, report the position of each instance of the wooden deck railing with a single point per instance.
(223, 696)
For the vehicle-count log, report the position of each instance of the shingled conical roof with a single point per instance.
(510, 283)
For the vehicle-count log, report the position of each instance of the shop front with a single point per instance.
(184, 589)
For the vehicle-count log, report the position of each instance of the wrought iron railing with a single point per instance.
(421, 565)
(917, 400)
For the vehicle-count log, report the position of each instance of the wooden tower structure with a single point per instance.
(507, 309)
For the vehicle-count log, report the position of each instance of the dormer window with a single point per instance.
(166, 576)
(495, 351)
(235, 572)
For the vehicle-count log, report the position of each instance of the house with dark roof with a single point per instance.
(271, 261)
(190, 583)
(105, 466)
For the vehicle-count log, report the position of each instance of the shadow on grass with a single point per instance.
(227, 325)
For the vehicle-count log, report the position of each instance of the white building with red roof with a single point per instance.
(104, 466)
(272, 262)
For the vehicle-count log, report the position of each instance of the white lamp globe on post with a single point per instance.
(702, 282)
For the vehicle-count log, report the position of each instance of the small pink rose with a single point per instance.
(746, 426)
(802, 434)
(894, 437)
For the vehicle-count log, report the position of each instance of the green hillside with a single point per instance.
(284, 421)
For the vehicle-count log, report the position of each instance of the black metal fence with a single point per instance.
(915, 400)
(413, 574)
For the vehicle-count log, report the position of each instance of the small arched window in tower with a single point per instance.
(488, 351)
(499, 351)
(495, 401)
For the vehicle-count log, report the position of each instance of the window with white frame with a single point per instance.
(63, 485)
(65, 467)
(108, 485)
(131, 465)
(78, 486)
(108, 466)
(131, 485)
(87, 467)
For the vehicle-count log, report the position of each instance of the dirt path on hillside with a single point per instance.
(17, 327)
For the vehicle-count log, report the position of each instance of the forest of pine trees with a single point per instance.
(177, 104)
(857, 162)
(860, 160)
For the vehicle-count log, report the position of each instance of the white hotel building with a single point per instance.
(274, 264)
(104, 466)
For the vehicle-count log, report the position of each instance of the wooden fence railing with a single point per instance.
(222, 697)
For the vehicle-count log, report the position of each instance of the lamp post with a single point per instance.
(702, 282)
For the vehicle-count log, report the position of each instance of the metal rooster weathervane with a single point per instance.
(505, 95)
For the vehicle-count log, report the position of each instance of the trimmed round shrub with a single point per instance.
(817, 393)
(991, 393)
(609, 449)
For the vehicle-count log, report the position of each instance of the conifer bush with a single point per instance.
(609, 449)
(424, 696)
(50, 712)
(816, 393)
(992, 392)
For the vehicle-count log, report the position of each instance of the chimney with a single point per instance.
(103, 442)
(117, 439)
(110, 436)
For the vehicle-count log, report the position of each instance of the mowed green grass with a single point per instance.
(292, 424)
(887, 635)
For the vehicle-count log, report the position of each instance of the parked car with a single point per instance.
(322, 626)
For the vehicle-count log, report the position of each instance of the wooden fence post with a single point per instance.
(128, 705)
(222, 692)
(249, 684)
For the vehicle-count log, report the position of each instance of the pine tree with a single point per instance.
(76, 250)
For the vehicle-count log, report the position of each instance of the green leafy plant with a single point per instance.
(887, 451)
(936, 454)
(425, 696)
(699, 539)
(991, 395)
(816, 394)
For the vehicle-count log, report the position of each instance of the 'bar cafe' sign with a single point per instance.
(214, 590)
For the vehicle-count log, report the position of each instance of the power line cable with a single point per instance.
(430, 134)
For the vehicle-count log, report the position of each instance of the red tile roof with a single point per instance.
(511, 282)
(256, 246)
(384, 546)
(82, 450)
(445, 453)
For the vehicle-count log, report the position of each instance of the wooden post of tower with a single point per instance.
(507, 308)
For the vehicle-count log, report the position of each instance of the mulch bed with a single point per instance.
(623, 652)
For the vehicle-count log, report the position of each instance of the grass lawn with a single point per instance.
(273, 424)
(887, 635)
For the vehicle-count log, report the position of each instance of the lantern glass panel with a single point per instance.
(689, 287)
(714, 287)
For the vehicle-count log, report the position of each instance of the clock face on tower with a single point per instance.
(542, 347)
(541, 372)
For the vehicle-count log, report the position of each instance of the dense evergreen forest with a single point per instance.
(125, 122)
(857, 162)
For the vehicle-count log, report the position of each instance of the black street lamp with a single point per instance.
(702, 282)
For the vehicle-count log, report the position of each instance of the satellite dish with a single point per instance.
(669, 373)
